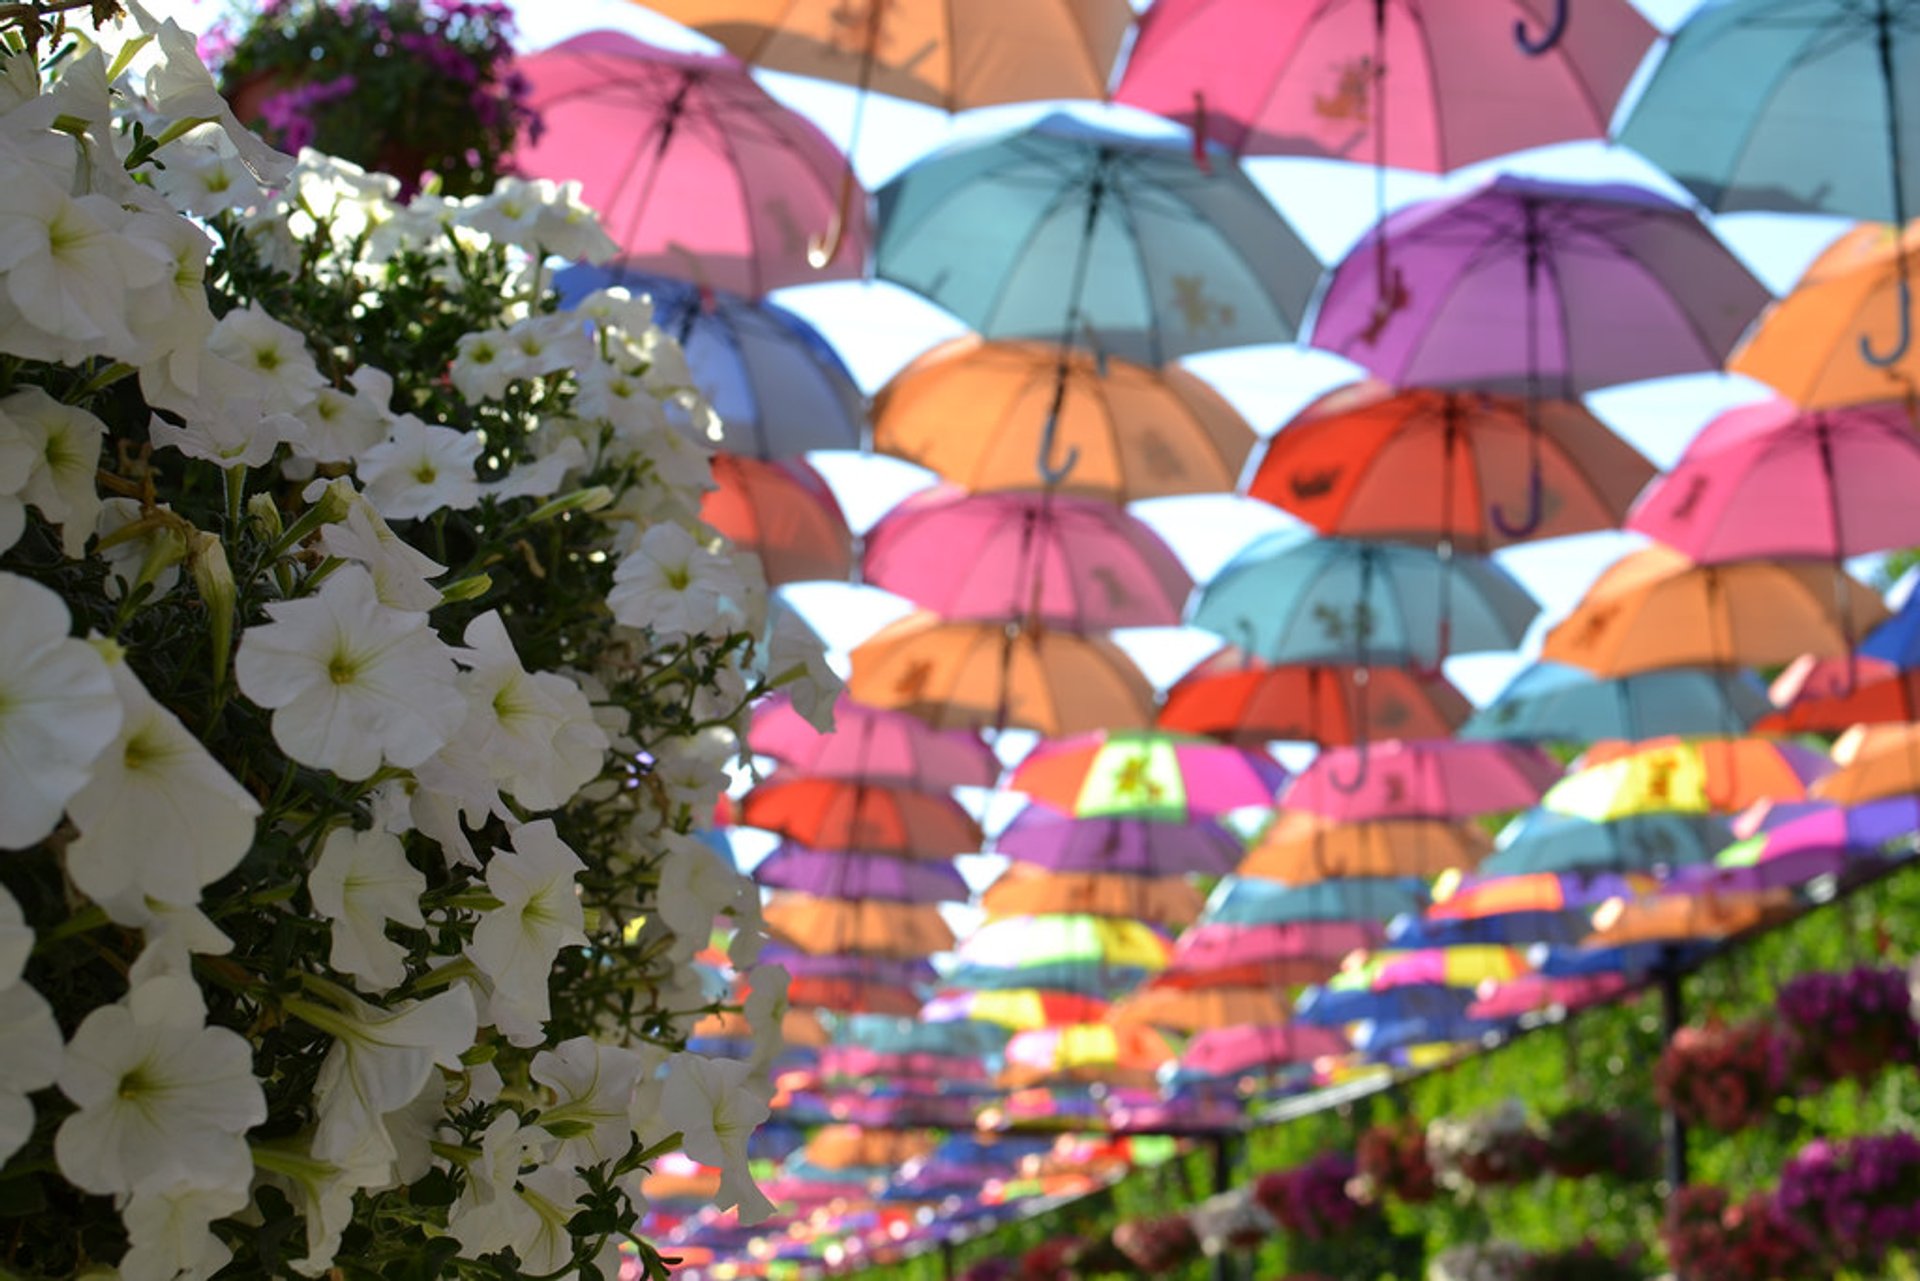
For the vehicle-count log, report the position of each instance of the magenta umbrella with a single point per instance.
(1133, 846)
(872, 745)
(697, 172)
(1212, 947)
(1251, 1047)
(1027, 556)
(1435, 778)
(850, 874)
(1146, 774)
(1411, 84)
(1533, 992)
(1773, 480)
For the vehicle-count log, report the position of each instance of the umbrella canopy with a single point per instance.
(1316, 946)
(1479, 897)
(1785, 106)
(1301, 848)
(1140, 847)
(1026, 890)
(915, 1036)
(783, 513)
(1137, 432)
(1064, 227)
(837, 1147)
(776, 385)
(958, 1064)
(846, 874)
(711, 179)
(1293, 600)
(852, 996)
(1020, 942)
(1533, 992)
(1442, 778)
(1654, 608)
(1681, 918)
(1862, 698)
(828, 925)
(1196, 1009)
(903, 973)
(1542, 840)
(1519, 928)
(1413, 84)
(870, 744)
(1018, 1008)
(1113, 1054)
(1146, 774)
(1230, 1051)
(1241, 901)
(1875, 761)
(838, 814)
(1079, 563)
(1554, 703)
(1466, 966)
(1771, 480)
(974, 675)
(1362, 462)
(1240, 699)
(1523, 284)
(1430, 1002)
(1701, 776)
(954, 54)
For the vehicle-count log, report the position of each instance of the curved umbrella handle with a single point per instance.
(1043, 461)
(1555, 29)
(1350, 786)
(1901, 344)
(1536, 509)
(1200, 159)
(822, 250)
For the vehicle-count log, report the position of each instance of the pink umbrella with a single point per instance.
(1250, 1047)
(874, 745)
(696, 171)
(1437, 778)
(1219, 947)
(1536, 992)
(1773, 480)
(857, 1061)
(1060, 560)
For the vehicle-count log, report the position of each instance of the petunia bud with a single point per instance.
(207, 561)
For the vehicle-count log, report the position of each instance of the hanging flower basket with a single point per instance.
(1157, 1246)
(1710, 1237)
(1584, 1142)
(1850, 1025)
(1312, 1200)
(1392, 1161)
(1855, 1201)
(1725, 1077)
(1490, 1148)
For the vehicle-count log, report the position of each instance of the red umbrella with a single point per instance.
(1251, 1047)
(872, 744)
(782, 512)
(838, 814)
(1247, 701)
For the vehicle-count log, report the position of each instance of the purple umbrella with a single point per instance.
(849, 874)
(866, 969)
(1837, 840)
(1138, 847)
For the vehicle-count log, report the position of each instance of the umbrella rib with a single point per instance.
(1123, 193)
(1063, 194)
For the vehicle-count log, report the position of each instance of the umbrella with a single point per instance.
(1017, 1008)
(778, 389)
(1293, 600)
(1678, 918)
(1771, 480)
(745, 178)
(1113, 1054)
(1025, 890)
(1301, 848)
(1241, 901)
(1362, 462)
(1328, 1007)
(1787, 857)
(1552, 702)
(1868, 695)
(837, 1147)
(870, 744)
(1700, 776)
(838, 814)
(902, 973)
(1517, 928)
(1146, 774)
(1017, 943)
(1875, 761)
(1079, 563)
(1230, 1051)
(852, 996)
(915, 1036)
(1138, 432)
(1542, 840)
(1064, 227)
(1142, 847)
(1533, 992)
(955, 1066)
(1480, 897)
(1412, 84)
(783, 513)
(973, 675)
(1215, 947)
(827, 925)
(1443, 778)
(1466, 966)
(1246, 701)
(1196, 1009)
(1654, 608)
(851, 875)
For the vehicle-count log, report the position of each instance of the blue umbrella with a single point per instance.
(1328, 1007)
(1509, 929)
(1067, 229)
(1081, 978)
(1897, 640)
(1380, 1038)
(1293, 600)
(779, 388)
(1544, 841)
(967, 1038)
(1555, 702)
(1633, 959)
(1244, 901)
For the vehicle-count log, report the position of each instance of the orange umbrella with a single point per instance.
(1875, 761)
(836, 1147)
(1301, 848)
(1196, 1010)
(979, 675)
(1654, 608)
(797, 1027)
(1615, 780)
(1809, 344)
(1140, 432)
(875, 818)
(1246, 701)
(1367, 461)
(782, 512)
(1874, 696)
(826, 926)
(1026, 890)
(1675, 918)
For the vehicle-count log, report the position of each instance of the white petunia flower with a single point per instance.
(361, 881)
(162, 1097)
(620, 397)
(797, 663)
(31, 1062)
(542, 217)
(514, 944)
(66, 442)
(593, 1086)
(420, 468)
(182, 89)
(170, 318)
(152, 556)
(16, 939)
(715, 1109)
(175, 934)
(766, 1012)
(58, 711)
(692, 768)
(160, 817)
(380, 1061)
(351, 682)
(547, 344)
(167, 1231)
(204, 175)
(544, 477)
(322, 1194)
(617, 307)
(482, 367)
(535, 730)
(672, 585)
(400, 571)
(494, 1213)
(341, 425)
(17, 457)
(273, 352)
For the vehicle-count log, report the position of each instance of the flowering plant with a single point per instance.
(1582, 1142)
(1050, 1260)
(1723, 1076)
(1583, 1262)
(1486, 1261)
(1157, 1246)
(339, 75)
(1854, 1201)
(1312, 1200)
(1851, 1024)
(1392, 1160)
(1495, 1146)
(1232, 1220)
(364, 670)
(1710, 1237)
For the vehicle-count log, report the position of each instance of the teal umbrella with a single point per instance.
(1246, 901)
(1557, 703)
(1544, 841)
(1289, 600)
(1068, 230)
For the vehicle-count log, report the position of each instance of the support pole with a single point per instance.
(949, 1263)
(1673, 1014)
(1226, 1160)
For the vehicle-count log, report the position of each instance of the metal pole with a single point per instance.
(949, 1264)
(1225, 1266)
(1673, 1013)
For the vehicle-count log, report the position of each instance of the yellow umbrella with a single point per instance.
(1301, 848)
(1875, 761)
(1026, 890)
(1669, 776)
